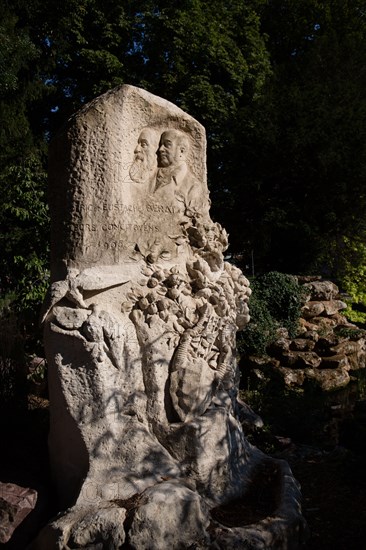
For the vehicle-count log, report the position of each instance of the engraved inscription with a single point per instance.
(117, 207)
(105, 245)
(134, 227)
(125, 209)
(163, 208)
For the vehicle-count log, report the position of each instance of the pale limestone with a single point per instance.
(321, 290)
(333, 306)
(140, 332)
(165, 509)
(312, 309)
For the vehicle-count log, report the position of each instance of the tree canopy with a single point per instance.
(278, 84)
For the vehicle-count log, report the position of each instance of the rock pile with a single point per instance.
(327, 347)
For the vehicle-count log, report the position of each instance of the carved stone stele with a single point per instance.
(146, 437)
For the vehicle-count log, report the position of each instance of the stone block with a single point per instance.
(301, 359)
(302, 344)
(321, 290)
(329, 379)
(312, 309)
(15, 504)
(331, 307)
(339, 361)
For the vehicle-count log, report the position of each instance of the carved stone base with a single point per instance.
(146, 445)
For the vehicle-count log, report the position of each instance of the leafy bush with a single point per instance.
(353, 277)
(351, 333)
(275, 302)
(355, 316)
(282, 296)
(24, 243)
(260, 331)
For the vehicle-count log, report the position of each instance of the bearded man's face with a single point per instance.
(144, 157)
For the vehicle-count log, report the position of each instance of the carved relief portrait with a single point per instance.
(161, 163)
(144, 166)
(172, 158)
(174, 177)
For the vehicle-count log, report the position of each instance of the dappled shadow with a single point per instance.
(116, 434)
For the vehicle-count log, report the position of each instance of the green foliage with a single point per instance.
(24, 224)
(260, 331)
(282, 295)
(278, 85)
(16, 51)
(351, 333)
(23, 217)
(38, 372)
(352, 276)
(298, 171)
(275, 302)
(355, 316)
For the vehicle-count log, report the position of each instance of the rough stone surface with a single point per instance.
(301, 359)
(15, 504)
(326, 342)
(140, 331)
(321, 290)
(171, 516)
(325, 323)
(338, 361)
(330, 379)
(272, 530)
(92, 527)
(292, 377)
(357, 360)
(312, 309)
(333, 306)
(302, 344)
(280, 346)
(348, 347)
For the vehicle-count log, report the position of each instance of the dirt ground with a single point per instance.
(333, 484)
(333, 487)
(24, 461)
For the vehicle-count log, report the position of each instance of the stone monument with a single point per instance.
(146, 436)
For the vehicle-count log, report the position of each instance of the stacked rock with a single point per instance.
(327, 347)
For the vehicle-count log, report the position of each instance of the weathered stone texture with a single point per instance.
(15, 504)
(140, 328)
(323, 351)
